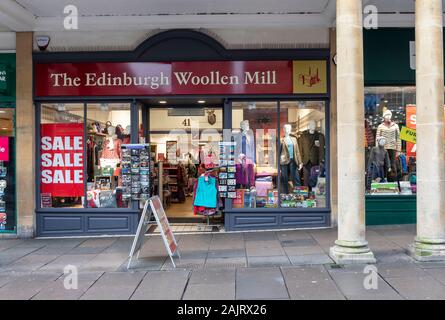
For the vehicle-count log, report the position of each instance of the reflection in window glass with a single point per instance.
(62, 155)
(302, 154)
(390, 158)
(108, 128)
(7, 170)
(255, 126)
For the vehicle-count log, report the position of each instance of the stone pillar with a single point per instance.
(333, 130)
(25, 130)
(429, 244)
(351, 246)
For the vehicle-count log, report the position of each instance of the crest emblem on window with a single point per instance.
(211, 116)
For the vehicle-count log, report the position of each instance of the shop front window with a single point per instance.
(108, 128)
(62, 155)
(254, 134)
(7, 170)
(302, 154)
(390, 153)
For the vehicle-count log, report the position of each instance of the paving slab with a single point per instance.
(98, 242)
(114, 286)
(299, 242)
(302, 250)
(61, 262)
(226, 263)
(162, 285)
(293, 235)
(400, 270)
(227, 253)
(438, 274)
(268, 261)
(260, 236)
(264, 248)
(308, 259)
(30, 262)
(211, 285)
(310, 283)
(9, 243)
(260, 283)
(145, 263)
(24, 287)
(57, 291)
(105, 262)
(352, 286)
(418, 288)
(10, 255)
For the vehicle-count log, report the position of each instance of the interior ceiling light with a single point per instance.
(201, 101)
(162, 102)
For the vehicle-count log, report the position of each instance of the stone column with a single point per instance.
(429, 244)
(351, 246)
(333, 130)
(25, 129)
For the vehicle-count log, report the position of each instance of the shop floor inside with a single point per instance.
(251, 265)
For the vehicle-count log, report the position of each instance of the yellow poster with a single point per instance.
(408, 134)
(310, 76)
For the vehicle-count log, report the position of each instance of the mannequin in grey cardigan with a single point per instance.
(379, 163)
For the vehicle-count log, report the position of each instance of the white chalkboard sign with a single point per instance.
(153, 207)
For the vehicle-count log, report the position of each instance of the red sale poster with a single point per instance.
(61, 159)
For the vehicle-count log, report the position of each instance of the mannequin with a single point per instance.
(290, 159)
(391, 132)
(312, 145)
(378, 163)
(245, 155)
(111, 152)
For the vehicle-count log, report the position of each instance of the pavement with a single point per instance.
(291, 264)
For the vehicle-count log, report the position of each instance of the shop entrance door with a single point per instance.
(184, 136)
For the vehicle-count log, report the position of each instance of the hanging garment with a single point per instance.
(111, 149)
(245, 144)
(245, 174)
(312, 147)
(206, 192)
(392, 135)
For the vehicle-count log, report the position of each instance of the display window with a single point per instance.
(390, 153)
(7, 170)
(280, 153)
(62, 155)
(81, 154)
(108, 130)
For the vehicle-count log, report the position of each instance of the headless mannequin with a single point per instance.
(245, 154)
(111, 149)
(312, 145)
(290, 160)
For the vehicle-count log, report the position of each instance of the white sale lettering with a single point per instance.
(62, 159)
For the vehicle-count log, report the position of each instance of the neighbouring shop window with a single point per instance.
(255, 131)
(302, 154)
(7, 170)
(108, 128)
(62, 155)
(390, 153)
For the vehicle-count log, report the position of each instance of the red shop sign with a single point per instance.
(61, 148)
(164, 78)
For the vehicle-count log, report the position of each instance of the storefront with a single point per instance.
(390, 86)
(254, 121)
(8, 215)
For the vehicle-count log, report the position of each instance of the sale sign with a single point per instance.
(411, 124)
(4, 148)
(62, 159)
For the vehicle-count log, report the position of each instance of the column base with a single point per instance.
(351, 252)
(427, 250)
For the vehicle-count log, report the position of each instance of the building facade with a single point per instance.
(305, 110)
